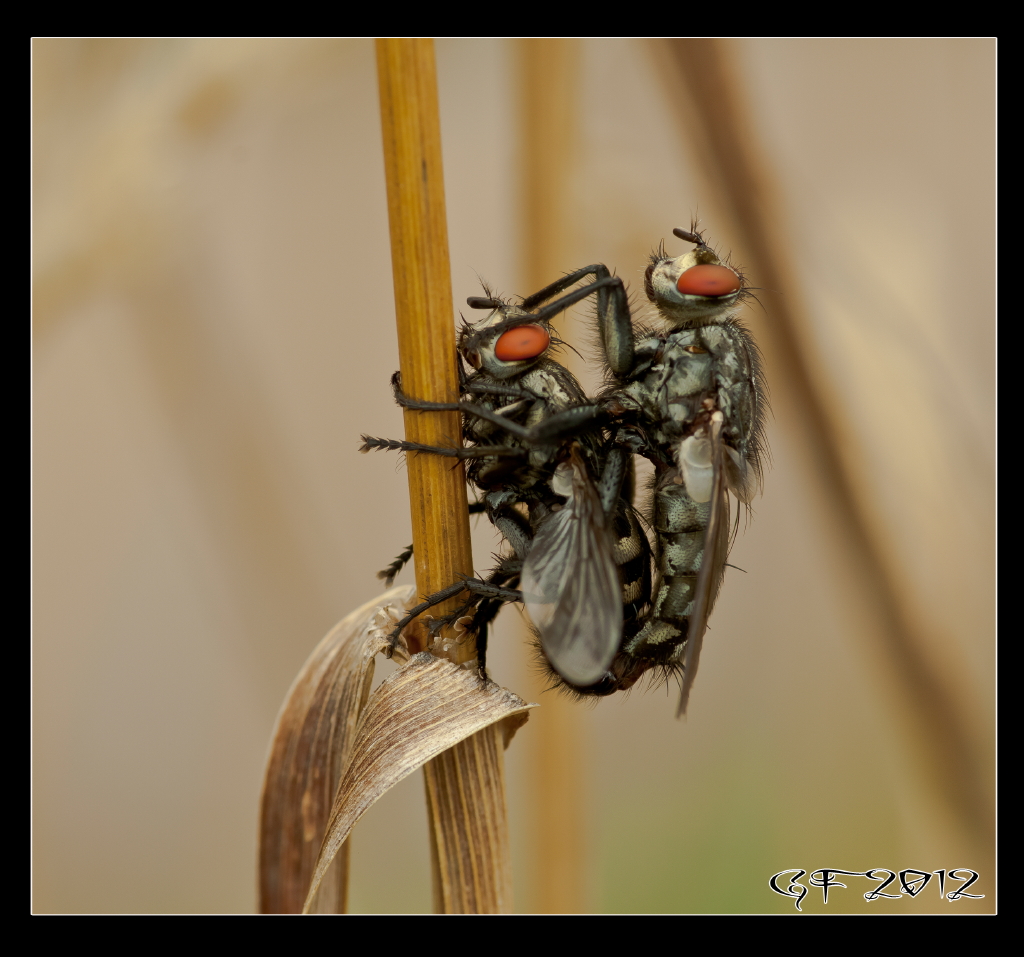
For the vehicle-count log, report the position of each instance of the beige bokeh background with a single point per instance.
(214, 328)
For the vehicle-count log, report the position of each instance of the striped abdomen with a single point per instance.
(680, 524)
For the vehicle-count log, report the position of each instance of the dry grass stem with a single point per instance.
(465, 790)
(423, 311)
(420, 712)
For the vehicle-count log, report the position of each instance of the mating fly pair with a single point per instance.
(689, 397)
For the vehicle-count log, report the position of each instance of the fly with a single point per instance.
(691, 399)
(531, 447)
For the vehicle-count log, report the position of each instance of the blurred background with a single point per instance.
(214, 328)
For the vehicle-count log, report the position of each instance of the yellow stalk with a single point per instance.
(465, 785)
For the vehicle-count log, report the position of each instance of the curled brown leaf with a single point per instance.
(420, 711)
(310, 746)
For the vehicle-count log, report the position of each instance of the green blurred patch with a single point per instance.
(709, 850)
(708, 842)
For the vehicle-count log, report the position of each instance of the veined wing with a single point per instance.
(712, 565)
(571, 587)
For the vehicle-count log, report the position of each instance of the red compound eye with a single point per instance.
(523, 342)
(708, 280)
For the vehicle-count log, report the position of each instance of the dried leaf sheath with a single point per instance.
(336, 750)
(474, 886)
(417, 714)
(311, 744)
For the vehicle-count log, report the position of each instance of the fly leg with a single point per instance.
(389, 574)
(506, 574)
(370, 443)
(598, 270)
(613, 316)
(557, 426)
(488, 610)
(565, 424)
(611, 299)
(512, 391)
(443, 595)
(609, 486)
(612, 310)
(561, 425)
(474, 586)
(514, 529)
(470, 408)
(603, 282)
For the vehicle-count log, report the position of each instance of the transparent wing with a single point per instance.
(571, 588)
(712, 565)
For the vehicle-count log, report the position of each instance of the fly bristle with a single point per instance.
(553, 681)
(660, 675)
(658, 255)
(489, 292)
(374, 444)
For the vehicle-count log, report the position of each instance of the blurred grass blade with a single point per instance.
(422, 710)
(311, 744)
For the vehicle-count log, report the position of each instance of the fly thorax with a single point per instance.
(635, 397)
(688, 375)
(715, 338)
(555, 387)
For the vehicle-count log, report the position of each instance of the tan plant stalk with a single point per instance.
(465, 785)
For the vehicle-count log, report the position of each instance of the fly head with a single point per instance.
(505, 343)
(694, 288)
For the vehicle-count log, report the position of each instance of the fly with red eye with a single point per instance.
(545, 472)
(693, 399)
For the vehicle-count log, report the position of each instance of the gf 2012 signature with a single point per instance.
(910, 882)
